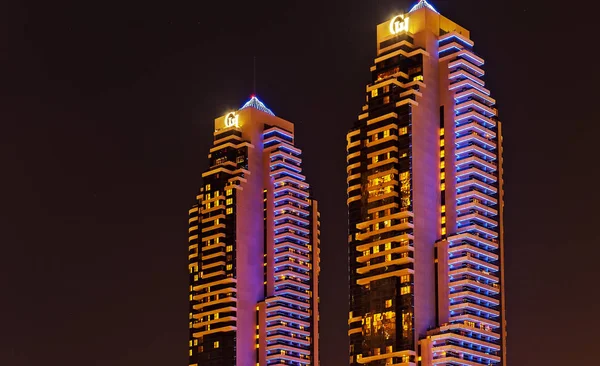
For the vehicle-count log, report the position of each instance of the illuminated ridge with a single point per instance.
(422, 4)
(255, 103)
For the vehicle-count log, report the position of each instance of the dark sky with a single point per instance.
(106, 119)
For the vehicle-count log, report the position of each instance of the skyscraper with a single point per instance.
(425, 202)
(254, 248)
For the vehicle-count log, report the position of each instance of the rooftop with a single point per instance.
(423, 4)
(255, 103)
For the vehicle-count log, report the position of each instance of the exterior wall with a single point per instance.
(426, 191)
(456, 185)
(250, 244)
(241, 311)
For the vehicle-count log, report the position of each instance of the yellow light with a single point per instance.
(232, 120)
(398, 24)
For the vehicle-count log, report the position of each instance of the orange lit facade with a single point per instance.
(254, 248)
(425, 203)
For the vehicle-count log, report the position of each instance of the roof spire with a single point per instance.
(254, 77)
(255, 103)
(423, 4)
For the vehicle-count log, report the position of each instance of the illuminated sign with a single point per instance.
(231, 120)
(398, 24)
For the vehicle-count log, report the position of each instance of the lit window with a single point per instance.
(190, 352)
(443, 220)
(388, 303)
(375, 159)
(216, 344)
(229, 201)
(442, 131)
(377, 351)
(229, 266)
(240, 159)
(443, 187)
(366, 253)
(442, 153)
(374, 93)
(386, 88)
(388, 257)
(216, 316)
(443, 175)
(403, 131)
(229, 211)
(386, 99)
(386, 133)
(405, 278)
(443, 208)
(388, 246)
(389, 349)
(405, 290)
(442, 165)
(441, 142)
(387, 223)
(229, 248)
(216, 193)
(376, 249)
(207, 187)
(229, 192)
(443, 231)
(418, 78)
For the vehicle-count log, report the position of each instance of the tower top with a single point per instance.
(255, 103)
(423, 4)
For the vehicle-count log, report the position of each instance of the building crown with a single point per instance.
(255, 103)
(423, 4)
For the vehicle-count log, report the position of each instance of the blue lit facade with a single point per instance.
(425, 203)
(254, 248)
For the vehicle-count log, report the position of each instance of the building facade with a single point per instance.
(425, 202)
(254, 248)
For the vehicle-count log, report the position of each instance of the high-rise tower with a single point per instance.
(254, 248)
(425, 202)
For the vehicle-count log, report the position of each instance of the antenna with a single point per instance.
(254, 77)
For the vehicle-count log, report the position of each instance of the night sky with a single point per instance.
(106, 120)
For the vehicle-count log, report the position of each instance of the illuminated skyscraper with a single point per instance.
(425, 202)
(254, 248)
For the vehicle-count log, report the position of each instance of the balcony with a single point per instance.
(472, 249)
(476, 172)
(478, 230)
(474, 138)
(474, 284)
(475, 126)
(475, 205)
(463, 96)
(457, 296)
(487, 122)
(475, 150)
(472, 183)
(459, 261)
(476, 273)
(475, 161)
(469, 103)
(474, 307)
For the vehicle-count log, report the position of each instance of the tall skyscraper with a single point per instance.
(425, 202)
(254, 248)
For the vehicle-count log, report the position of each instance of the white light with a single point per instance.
(398, 24)
(231, 120)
